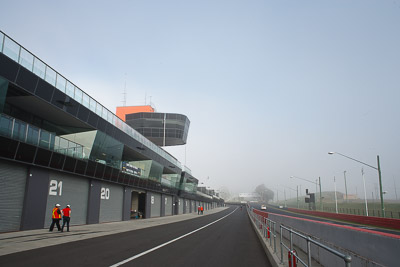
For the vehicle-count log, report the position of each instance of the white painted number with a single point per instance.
(166, 201)
(152, 200)
(105, 193)
(55, 187)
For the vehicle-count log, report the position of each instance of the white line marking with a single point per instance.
(167, 243)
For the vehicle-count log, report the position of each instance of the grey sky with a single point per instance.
(269, 86)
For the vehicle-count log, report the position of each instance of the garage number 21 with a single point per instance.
(55, 188)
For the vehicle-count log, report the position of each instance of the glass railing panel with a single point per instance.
(6, 125)
(104, 113)
(26, 59)
(11, 49)
(70, 89)
(92, 104)
(63, 145)
(39, 68)
(33, 135)
(99, 109)
(1, 41)
(61, 83)
(50, 76)
(19, 131)
(44, 140)
(85, 100)
(78, 95)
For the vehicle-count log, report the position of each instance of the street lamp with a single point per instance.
(316, 184)
(379, 175)
(297, 191)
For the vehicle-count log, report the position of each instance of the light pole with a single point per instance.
(297, 191)
(334, 181)
(365, 192)
(379, 175)
(316, 185)
(345, 185)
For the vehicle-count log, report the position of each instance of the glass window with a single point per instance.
(78, 95)
(50, 76)
(69, 89)
(85, 100)
(39, 68)
(11, 49)
(1, 41)
(26, 59)
(61, 83)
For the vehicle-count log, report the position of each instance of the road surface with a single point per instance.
(221, 239)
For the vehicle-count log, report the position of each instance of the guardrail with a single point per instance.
(293, 255)
(268, 231)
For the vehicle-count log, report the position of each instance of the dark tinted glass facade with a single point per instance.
(163, 129)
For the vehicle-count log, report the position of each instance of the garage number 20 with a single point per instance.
(105, 193)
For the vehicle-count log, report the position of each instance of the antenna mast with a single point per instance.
(124, 94)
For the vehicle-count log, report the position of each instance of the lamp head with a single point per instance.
(331, 153)
(291, 177)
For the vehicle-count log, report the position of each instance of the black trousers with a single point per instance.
(56, 222)
(65, 221)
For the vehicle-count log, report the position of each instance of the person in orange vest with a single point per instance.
(56, 217)
(66, 217)
(202, 209)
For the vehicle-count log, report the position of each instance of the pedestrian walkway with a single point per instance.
(25, 240)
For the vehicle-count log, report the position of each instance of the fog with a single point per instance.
(270, 87)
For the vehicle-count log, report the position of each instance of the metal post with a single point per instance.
(309, 251)
(334, 180)
(320, 196)
(345, 185)
(380, 186)
(165, 118)
(365, 193)
(281, 244)
(274, 238)
(297, 190)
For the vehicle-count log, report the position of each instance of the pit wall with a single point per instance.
(368, 220)
(366, 247)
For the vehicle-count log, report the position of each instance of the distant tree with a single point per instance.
(224, 193)
(265, 193)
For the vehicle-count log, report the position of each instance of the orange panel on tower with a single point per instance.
(122, 111)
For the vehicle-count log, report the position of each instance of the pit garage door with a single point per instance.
(187, 205)
(12, 191)
(168, 205)
(180, 203)
(111, 202)
(193, 205)
(155, 202)
(66, 189)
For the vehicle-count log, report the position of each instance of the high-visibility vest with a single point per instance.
(56, 215)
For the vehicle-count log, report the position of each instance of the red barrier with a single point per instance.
(374, 221)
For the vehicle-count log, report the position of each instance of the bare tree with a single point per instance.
(265, 193)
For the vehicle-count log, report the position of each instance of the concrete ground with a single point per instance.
(26, 240)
